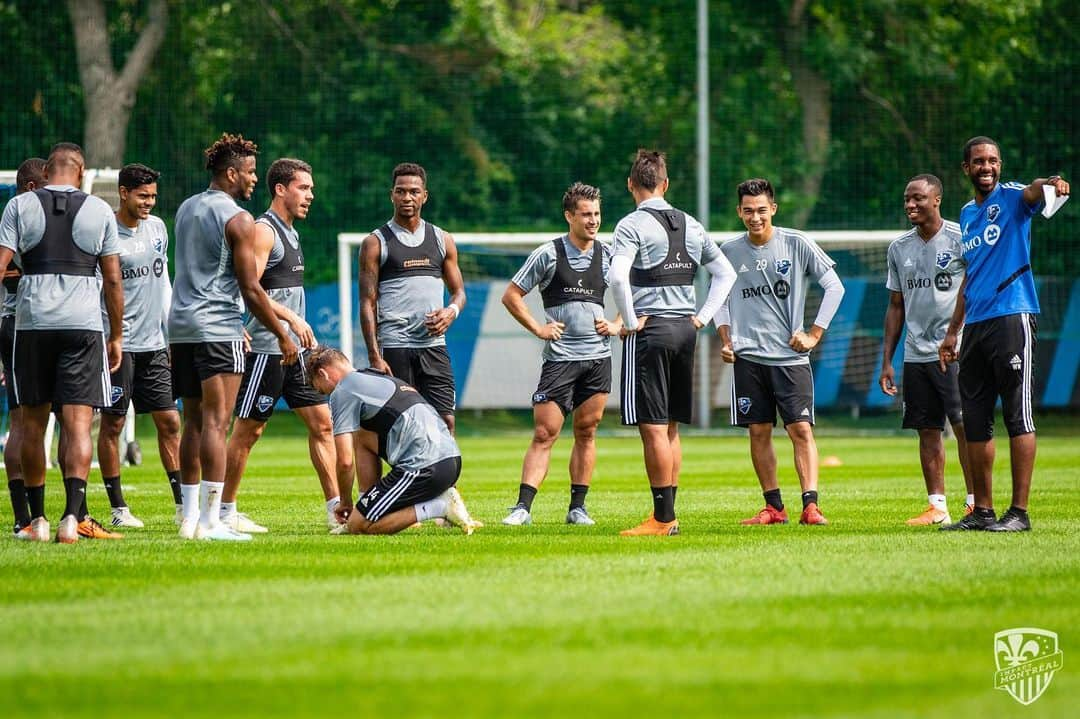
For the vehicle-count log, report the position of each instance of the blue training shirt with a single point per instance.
(997, 249)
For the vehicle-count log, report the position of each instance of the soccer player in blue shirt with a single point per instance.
(998, 303)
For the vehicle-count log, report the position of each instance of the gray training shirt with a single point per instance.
(403, 302)
(640, 237)
(206, 304)
(418, 438)
(928, 274)
(263, 340)
(56, 301)
(768, 300)
(579, 340)
(144, 268)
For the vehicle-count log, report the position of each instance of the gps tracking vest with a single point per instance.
(678, 268)
(382, 422)
(424, 260)
(290, 271)
(57, 253)
(569, 285)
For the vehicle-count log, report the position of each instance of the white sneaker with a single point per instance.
(518, 517)
(40, 526)
(178, 517)
(456, 511)
(68, 531)
(122, 517)
(188, 527)
(220, 532)
(579, 516)
(240, 522)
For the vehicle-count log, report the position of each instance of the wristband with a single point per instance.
(454, 307)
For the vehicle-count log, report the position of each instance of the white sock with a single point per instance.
(227, 508)
(970, 501)
(430, 509)
(332, 503)
(937, 501)
(189, 495)
(210, 502)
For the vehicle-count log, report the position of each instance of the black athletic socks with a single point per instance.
(577, 495)
(19, 502)
(663, 503)
(526, 495)
(809, 498)
(75, 497)
(115, 492)
(174, 485)
(35, 498)
(772, 498)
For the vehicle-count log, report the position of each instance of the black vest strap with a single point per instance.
(57, 253)
(678, 268)
(424, 260)
(290, 271)
(569, 285)
(404, 396)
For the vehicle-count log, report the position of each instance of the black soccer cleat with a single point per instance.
(1011, 521)
(972, 522)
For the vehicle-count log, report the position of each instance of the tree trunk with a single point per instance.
(814, 95)
(109, 97)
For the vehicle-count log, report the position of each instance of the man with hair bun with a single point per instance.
(145, 374)
(571, 273)
(657, 251)
(215, 269)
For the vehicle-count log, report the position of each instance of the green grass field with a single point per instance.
(865, 617)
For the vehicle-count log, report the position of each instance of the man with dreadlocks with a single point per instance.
(215, 267)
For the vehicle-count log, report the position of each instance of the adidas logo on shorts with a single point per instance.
(1016, 363)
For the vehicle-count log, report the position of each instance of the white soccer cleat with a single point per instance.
(41, 529)
(518, 517)
(457, 513)
(339, 529)
(68, 531)
(240, 522)
(122, 517)
(188, 527)
(580, 517)
(220, 532)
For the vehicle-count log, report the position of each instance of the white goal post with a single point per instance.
(863, 242)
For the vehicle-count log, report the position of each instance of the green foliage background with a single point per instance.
(507, 102)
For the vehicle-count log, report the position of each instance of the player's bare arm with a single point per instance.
(514, 302)
(345, 471)
(894, 323)
(439, 321)
(240, 233)
(112, 288)
(1033, 193)
(947, 351)
(369, 301)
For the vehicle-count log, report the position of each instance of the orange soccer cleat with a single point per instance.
(812, 515)
(768, 515)
(932, 515)
(90, 528)
(651, 527)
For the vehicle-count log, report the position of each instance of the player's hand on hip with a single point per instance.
(947, 351)
(552, 331)
(115, 350)
(624, 331)
(887, 380)
(439, 321)
(802, 341)
(289, 350)
(606, 328)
